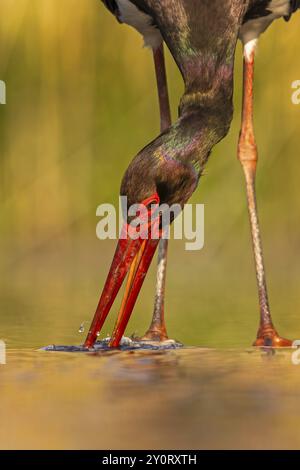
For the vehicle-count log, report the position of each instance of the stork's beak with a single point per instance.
(131, 253)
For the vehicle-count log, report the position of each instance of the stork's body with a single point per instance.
(168, 170)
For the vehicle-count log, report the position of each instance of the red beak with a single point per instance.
(129, 250)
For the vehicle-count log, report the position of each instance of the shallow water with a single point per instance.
(220, 396)
(188, 398)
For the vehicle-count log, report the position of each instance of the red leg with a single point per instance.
(247, 154)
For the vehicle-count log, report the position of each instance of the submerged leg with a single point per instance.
(247, 154)
(157, 330)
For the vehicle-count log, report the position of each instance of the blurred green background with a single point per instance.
(81, 102)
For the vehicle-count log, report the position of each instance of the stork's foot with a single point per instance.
(268, 337)
(157, 344)
(156, 335)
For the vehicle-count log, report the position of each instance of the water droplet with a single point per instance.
(81, 328)
(98, 334)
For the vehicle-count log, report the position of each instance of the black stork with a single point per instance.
(201, 36)
(257, 19)
(127, 12)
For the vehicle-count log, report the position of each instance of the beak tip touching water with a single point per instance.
(134, 254)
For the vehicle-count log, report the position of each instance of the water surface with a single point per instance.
(189, 398)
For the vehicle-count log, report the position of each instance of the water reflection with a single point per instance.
(190, 398)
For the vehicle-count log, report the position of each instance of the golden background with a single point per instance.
(81, 102)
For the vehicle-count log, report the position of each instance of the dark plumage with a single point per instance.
(137, 16)
(258, 10)
(262, 8)
(112, 6)
(294, 6)
(259, 16)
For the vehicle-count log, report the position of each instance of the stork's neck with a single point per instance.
(208, 85)
(205, 56)
(206, 106)
(201, 36)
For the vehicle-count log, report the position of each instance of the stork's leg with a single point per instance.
(157, 330)
(247, 154)
(162, 88)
